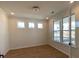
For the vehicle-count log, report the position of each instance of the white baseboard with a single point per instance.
(27, 46)
(59, 49)
(35, 44)
(6, 52)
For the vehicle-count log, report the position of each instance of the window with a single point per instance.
(64, 28)
(73, 30)
(21, 25)
(31, 25)
(66, 32)
(57, 31)
(40, 25)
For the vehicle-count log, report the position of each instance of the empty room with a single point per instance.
(39, 29)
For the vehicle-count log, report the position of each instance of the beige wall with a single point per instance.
(20, 38)
(4, 42)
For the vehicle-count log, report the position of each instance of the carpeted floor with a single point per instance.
(44, 51)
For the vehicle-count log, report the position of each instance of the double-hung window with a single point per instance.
(57, 31)
(66, 32)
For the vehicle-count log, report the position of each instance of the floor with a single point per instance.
(44, 51)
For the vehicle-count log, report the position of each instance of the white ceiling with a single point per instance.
(24, 8)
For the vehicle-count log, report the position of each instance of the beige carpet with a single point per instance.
(44, 51)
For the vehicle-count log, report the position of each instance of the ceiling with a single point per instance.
(24, 8)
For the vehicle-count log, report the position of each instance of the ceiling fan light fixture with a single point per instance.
(52, 12)
(36, 8)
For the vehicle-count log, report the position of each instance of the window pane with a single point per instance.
(20, 24)
(66, 39)
(65, 33)
(57, 39)
(57, 36)
(57, 31)
(66, 23)
(40, 25)
(31, 25)
(73, 22)
(73, 34)
(72, 25)
(73, 37)
(73, 30)
(56, 25)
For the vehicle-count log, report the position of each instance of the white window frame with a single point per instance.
(61, 32)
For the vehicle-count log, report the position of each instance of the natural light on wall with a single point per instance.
(40, 25)
(31, 25)
(21, 25)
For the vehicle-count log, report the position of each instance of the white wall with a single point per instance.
(4, 42)
(27, 37)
